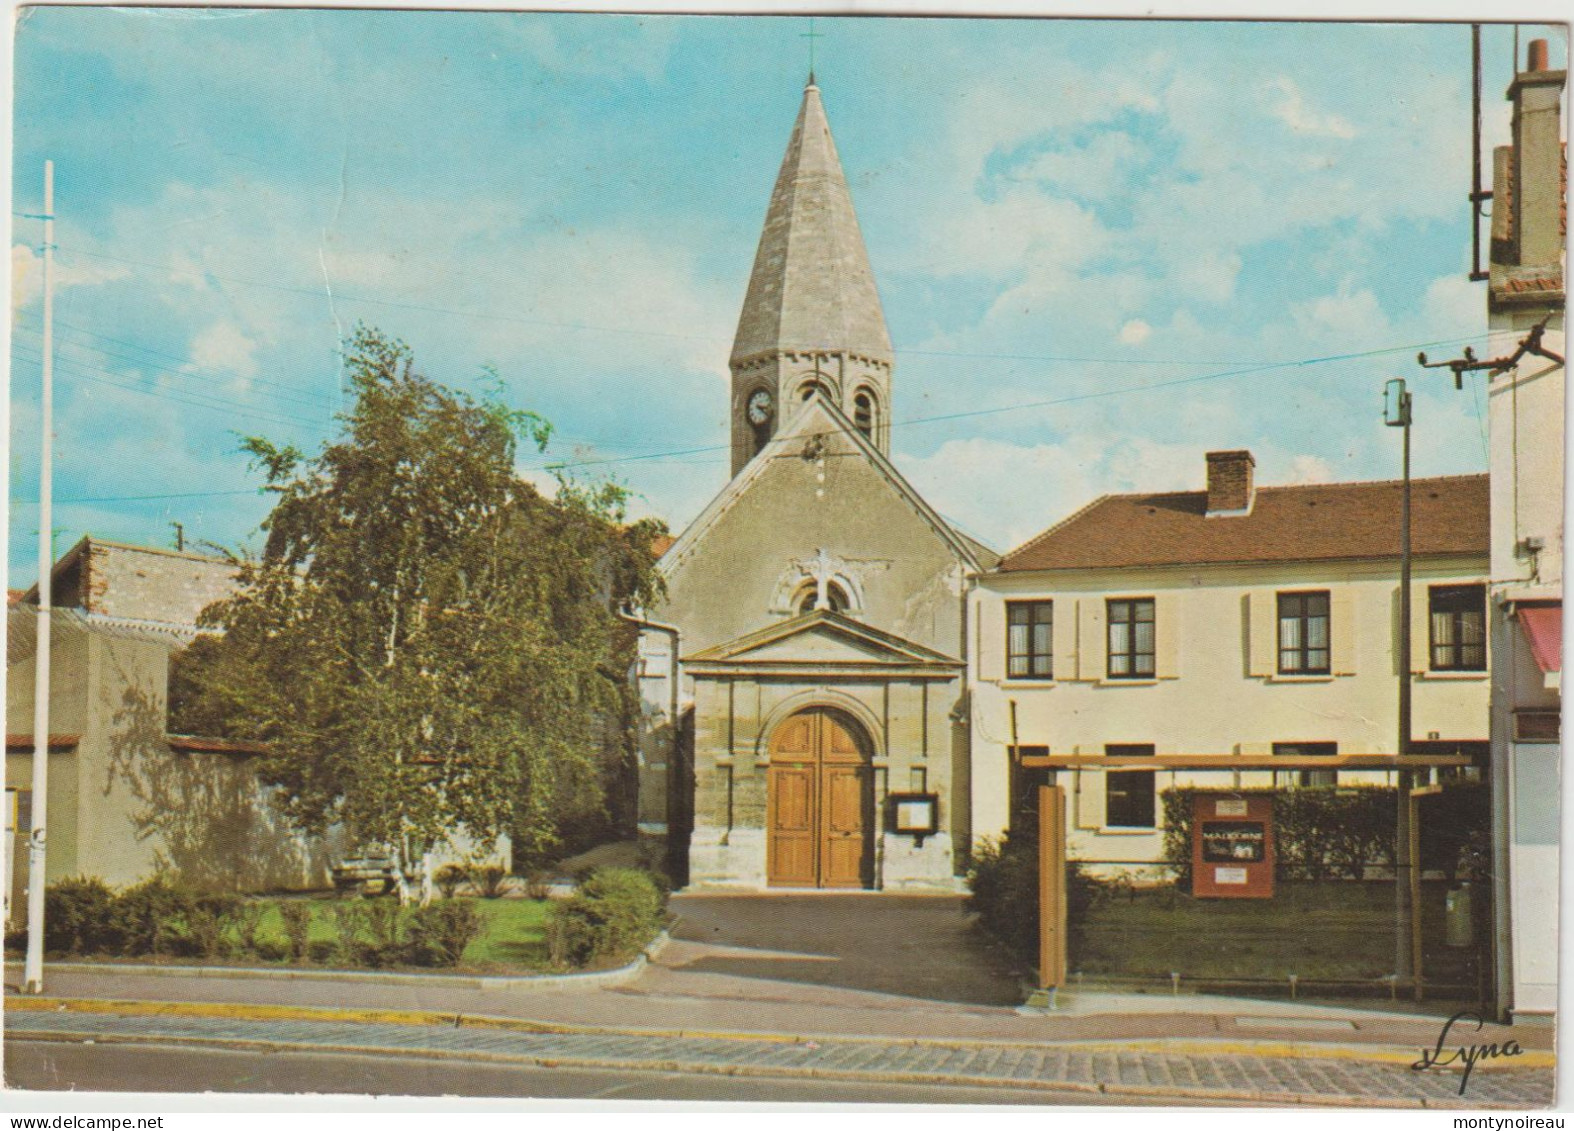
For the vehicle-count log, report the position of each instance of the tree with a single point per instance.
(426, 644)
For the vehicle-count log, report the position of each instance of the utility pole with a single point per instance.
(1397, 414)
(33, 968)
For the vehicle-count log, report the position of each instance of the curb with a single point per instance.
(533, 983)
(1136, 1091)
(1279, 1050)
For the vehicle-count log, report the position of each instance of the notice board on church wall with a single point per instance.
(1232, 853)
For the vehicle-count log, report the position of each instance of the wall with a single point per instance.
(1215, 691)
(1527, 446)
(909, 727)
(142, 583)
(124, 805)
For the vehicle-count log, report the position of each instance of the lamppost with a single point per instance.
(1397, 414)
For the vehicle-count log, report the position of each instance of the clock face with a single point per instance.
(759, 407)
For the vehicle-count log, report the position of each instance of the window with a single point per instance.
(1029, 630)
(1316, 779)
(1303, 633)
(1131, 638)
(808, 598)
(1024, 783)
(863, 412)
(1128, 794)
(809, 388)
(1459, 628)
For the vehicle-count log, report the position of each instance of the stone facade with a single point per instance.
(816, 582)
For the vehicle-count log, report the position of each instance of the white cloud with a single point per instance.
(1293, 111)
(27, 275)
(1310, 469)
(1135, 332)
(225, 347)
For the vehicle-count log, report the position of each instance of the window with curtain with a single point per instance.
(1131, 638)
(1029, 636)
(1306, 778)
(1303, 633)
(1459, 628)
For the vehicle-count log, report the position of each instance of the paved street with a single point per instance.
(1064, 1069)
(48, 1066)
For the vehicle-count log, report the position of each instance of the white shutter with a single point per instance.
(1090, 798)
(1166, 635)
(1343, 625)
(1420, 626)
(991, 637)
(1262, 633)
(1092, 644)
(1064, 646)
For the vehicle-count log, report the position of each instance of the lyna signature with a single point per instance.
(1467, 1055)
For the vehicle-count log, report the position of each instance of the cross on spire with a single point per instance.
(811, 35)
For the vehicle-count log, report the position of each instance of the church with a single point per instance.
(804, 678)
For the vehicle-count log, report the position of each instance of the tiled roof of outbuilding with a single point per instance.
(1287, 524)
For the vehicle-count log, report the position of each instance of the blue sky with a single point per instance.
(1056, 211)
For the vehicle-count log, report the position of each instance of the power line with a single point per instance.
(194, 373)
(178, 396)
(317, 292)
(1030, 405)
(143, 498)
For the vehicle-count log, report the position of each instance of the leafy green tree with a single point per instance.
(426, 643)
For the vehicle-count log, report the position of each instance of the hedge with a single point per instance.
(615, 913)
(83, 916)
(1338, 833)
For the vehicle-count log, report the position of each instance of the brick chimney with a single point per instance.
(1230, 488)
(1536, 163)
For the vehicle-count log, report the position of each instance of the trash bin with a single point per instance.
(1458, 919)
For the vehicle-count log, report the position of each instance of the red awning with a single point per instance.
(1543, 625)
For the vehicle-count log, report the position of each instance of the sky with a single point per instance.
(1104, 248)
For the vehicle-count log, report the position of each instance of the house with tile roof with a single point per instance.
(1526, 296)
(1235, 621)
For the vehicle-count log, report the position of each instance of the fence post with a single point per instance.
(1051, 886)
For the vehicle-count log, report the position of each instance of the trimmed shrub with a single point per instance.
(1002, 880)
(439, 934)
(145, 916)
(449, 878)
(206, 923)
(615, 913)
(79, 916)
(538, 887)
(297, 917)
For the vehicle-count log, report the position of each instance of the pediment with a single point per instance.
(820, 640)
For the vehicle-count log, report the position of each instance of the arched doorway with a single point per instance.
(821, 803)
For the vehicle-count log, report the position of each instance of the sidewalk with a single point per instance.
(679, 1015)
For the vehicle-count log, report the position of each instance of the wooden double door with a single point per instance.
(821, 804)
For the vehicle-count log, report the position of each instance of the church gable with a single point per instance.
(819, 499)
(821, 639)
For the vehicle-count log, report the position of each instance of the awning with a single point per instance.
(1543, 625)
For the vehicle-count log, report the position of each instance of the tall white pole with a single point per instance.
(33, 972)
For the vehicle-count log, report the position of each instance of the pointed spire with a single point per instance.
(811, 288)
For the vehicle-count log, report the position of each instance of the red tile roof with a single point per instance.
(1287, 524)
(661, 543)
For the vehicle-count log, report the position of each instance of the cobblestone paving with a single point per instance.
(1309, 1080)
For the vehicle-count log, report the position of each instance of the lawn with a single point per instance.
(1318, 932)
(512, 932)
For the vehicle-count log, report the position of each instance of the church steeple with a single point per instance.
(811, 320)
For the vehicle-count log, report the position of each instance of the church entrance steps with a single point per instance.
(1220, 1071)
